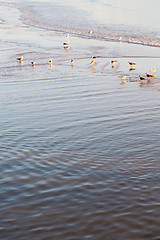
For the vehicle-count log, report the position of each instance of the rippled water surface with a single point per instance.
(79, 152)
(79, 159)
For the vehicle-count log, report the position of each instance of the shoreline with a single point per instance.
(143, 40)
(133, 40)
(43, 44)
(80, 144)
(21, 19)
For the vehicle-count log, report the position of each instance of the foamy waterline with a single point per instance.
(145, 41)
(65, 21)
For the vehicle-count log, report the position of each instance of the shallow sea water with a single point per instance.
(79, 152)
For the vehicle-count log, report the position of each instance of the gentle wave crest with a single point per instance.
(97, 19)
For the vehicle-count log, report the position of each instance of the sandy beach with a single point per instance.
(79, 142)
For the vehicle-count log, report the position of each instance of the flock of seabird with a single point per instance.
(93, 62)
(66, 45)
(141, 78)
(20, 59)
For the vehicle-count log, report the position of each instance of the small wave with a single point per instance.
(81, 23)
(67, 19)
(138, 40)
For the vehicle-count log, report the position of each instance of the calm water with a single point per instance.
(79, 152)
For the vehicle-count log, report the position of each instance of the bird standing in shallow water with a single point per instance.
(113, 61)
(20, 58)
(132, 69)
(141, 78)
(72, 62)
(33, 63)
(149, 75)
(120, 39)
(132, 63)
(93, 61)
(66, 47)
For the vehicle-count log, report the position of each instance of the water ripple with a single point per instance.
(79, 162)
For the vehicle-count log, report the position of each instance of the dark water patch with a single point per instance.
(80, 199)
